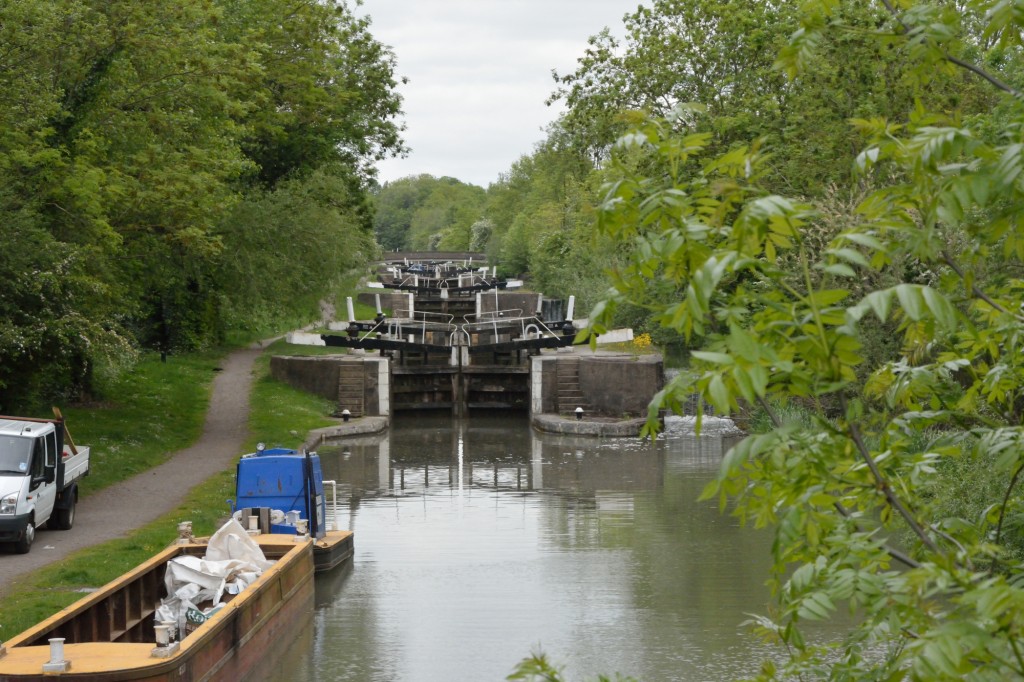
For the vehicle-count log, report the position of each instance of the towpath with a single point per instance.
(117, 510)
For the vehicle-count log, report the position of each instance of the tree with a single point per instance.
(543, 223)
(427, 213)
(290, 246)
(325, 91)
(721, 55)
(716, 52)
(395, 203)
(854, 498)
(56, 327)
(130, 131)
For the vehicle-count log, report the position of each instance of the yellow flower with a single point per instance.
(642, 342)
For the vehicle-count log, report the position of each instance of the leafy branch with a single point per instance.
(883, 485)
(975, 290)
(896, 554)
(973, 68)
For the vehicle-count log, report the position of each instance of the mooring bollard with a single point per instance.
(185, 533)
(579, 414)
(172, 629)
(56, 664)
(165, 644)
(163, 635)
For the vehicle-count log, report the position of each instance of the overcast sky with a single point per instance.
(479, 72)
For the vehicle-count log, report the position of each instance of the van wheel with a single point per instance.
(63, 519)
(23, 545)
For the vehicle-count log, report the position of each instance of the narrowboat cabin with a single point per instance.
(281, 490)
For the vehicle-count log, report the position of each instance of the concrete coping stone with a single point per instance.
(360, 426)
(552, 423)
(621, 428)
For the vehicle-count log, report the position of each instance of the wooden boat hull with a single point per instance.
(334, 548)
(109, 634)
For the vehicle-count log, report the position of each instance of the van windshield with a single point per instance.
(14, 454)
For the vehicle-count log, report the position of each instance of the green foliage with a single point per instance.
(54, 334)
(292, 245)
(679, 51)
(725, 55)
(282, 415)
(541, 220)
(325, 91)
(781, 311)
(129, 132)
(537, 668)
(427, 213)
(139, 416)
(480, 234)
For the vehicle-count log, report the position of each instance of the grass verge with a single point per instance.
(279, 414)
(158, 408)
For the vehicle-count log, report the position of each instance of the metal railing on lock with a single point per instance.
(465, 280)
(507, 321)
(403, 323)
(459, 333)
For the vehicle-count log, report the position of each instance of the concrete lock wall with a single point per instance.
(613, 385)
(372, 370)
(617, 386)
(316, 375)
(320, 375)
(544, 385)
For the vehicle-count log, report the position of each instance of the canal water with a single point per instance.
(480, 541)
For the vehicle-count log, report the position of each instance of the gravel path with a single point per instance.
(115, 511)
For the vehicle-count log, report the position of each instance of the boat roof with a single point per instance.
(270, 452)
(23, 427)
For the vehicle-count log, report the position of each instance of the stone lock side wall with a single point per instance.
(319, 375)
(619, 386)
(544, 384)
(372, 403)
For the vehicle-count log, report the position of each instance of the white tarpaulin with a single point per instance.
(233, 561)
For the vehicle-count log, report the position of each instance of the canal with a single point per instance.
(480, 541)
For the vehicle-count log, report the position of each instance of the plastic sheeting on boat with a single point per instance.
(232, 562)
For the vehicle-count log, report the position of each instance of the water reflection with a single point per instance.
(480, 541)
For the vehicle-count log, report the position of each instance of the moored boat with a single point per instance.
(114, 633)
(281, 490)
